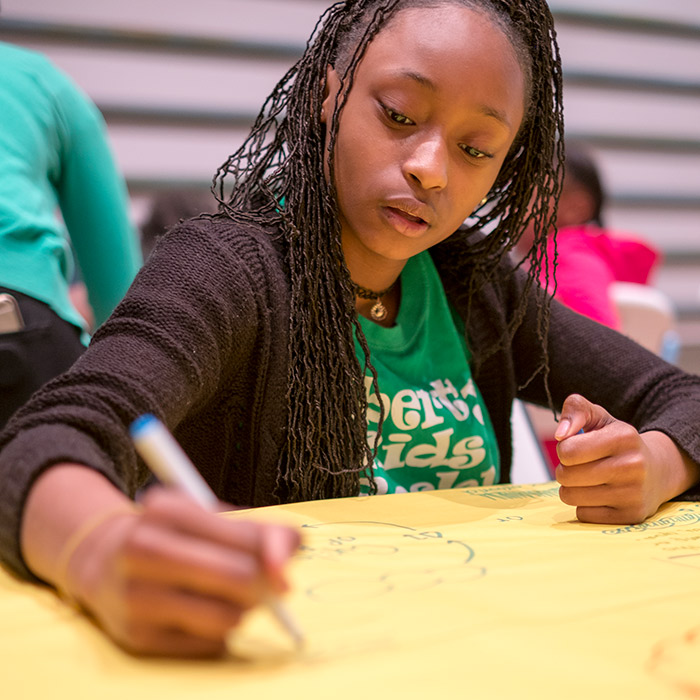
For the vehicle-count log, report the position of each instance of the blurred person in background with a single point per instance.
(170, 207)
(591, 257)
(54, 157)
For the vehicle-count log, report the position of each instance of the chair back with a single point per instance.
(646, 315)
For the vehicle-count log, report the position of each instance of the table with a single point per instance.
(493, 592)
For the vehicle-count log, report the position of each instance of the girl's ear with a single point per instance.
(330, 92)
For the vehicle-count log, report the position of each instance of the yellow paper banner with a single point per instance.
(493, 592)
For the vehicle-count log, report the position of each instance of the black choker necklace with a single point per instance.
(378, 311)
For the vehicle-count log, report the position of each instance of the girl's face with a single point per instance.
(435, 105)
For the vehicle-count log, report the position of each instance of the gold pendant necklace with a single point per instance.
(378, 311)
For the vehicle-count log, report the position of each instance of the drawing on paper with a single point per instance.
(369, 559)
(675, 661)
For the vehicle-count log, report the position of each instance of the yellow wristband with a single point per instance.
(75, 540)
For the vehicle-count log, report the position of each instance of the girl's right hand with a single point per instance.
(172, 578)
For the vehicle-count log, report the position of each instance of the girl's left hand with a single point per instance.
(611, 472)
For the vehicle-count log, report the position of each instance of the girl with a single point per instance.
(335, 330)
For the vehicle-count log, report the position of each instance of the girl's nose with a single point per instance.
(427, 163)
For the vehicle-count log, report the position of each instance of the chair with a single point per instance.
(647, 316)
(530, 466)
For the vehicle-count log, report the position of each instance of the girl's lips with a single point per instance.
(404, 223)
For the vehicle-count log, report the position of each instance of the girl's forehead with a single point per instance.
(448, 31)
(451, 21)
(452, 49)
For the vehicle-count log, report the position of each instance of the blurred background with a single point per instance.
(180, 82)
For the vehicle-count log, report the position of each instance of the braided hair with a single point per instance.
(277, 181)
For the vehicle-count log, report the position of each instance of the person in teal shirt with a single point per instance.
(60, 193)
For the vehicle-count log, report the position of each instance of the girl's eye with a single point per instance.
(475, 152)
(398, 117)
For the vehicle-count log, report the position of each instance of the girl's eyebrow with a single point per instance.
(426, 82)
(495, 114)
(416, 77)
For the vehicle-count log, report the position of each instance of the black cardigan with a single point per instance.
(200, 340)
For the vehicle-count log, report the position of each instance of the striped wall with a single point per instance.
(179, 83)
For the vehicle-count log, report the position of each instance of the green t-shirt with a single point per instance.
(436, 432)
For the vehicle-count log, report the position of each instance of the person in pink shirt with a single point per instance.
(590, 256)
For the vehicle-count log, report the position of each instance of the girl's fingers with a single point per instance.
(278, 545)
(172, 578)
(241, 558)
(176, 511)
(611, 515)
(174, 559)
(148, 604)
(578, 414)
(600, 514)
(625, 503)
(145, 640)
(580, 475)
(595, 496)
(613, 444)
(626, 468)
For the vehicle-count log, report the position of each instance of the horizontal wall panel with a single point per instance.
(164, 79)
(142, 202)
(171, 153)
(653, 174)
(279, 20)
(689, 359)
(682, 284)
(681, 11)
(606, 50)
(629, 113)
(673, 230)
(285, 18)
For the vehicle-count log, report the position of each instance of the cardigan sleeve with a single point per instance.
(609, 369)
(189, 317)
(583, 357)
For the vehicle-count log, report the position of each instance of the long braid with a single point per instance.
(277, 181)
(530, 178)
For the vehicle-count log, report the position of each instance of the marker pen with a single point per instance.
(168, 461)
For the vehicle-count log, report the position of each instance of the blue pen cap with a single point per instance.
(142, 424)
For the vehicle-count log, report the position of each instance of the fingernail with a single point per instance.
(562, 428)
